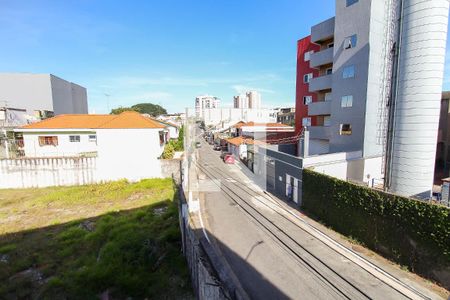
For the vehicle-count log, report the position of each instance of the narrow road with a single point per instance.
(270, 253)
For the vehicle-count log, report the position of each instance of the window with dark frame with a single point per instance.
(347, 101)
(346, 129)
(307, 100)
(307, 77)
(48, 141)
(74, 138)
(350, 41)
(351, 2)
(348, 72)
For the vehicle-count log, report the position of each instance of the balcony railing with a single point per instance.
(322, 31)
(319, 132)
(319, 108)
(321, 58)
(320, 83)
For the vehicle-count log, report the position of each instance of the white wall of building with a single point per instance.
(128, 153)
(64, 148)
(131, 154)
(173, 132)
(225, 117)
(254, 99)
(346, 166)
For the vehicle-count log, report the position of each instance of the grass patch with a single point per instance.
(70, 244)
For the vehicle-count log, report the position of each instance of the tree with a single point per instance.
(144, 108)
(168, 152)
(120, 109)
(148, 108)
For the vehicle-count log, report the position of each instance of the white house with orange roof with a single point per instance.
(127, 145)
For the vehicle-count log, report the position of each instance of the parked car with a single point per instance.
(198, 145)
(229, 159)
(217, 147)
(222, 155)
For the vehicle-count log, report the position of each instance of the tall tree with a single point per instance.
(144, 108)
(150, 108)
(120, 109)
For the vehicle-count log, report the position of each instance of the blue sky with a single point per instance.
(164, 52)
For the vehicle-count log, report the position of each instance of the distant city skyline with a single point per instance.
(163, 52)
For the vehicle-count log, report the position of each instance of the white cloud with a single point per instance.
(244, 88)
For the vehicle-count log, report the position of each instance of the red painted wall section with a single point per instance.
(302, 89)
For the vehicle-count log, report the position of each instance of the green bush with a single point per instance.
(410, 232)
(168, 152)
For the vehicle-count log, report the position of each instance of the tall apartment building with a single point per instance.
(376, 79)
(250, 99)
(254, 99)
(205, 102)
(37, 93)
(240, 101)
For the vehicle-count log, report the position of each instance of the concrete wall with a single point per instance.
(64, 147)
(68, 98)
(274, 166)
(170, 168)
(359, 14)
(26, 91)
(42, 92)
(79, 99)
(317, 146)
(42, 172)
(346, 166)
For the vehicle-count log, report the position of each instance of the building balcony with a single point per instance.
(322, 31)
(319, 132)
(321, 58)
(319, 108)
(320, 83)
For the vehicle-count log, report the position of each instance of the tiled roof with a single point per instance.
(238, 124)
(239, 140)
(127, 119)
(253, 124)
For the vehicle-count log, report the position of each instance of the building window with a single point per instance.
(351, 2)
(92, 138)
(306, 122)
(329, 71)
(346, 129)
(307, 77)
(307, 55)
(348, 72)
(48, 141)
(347, 101)
(162, 138)
(350, 42)
(74, 138)
(328, 96)
(307, 100)
(326, 121)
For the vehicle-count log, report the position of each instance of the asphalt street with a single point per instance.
(269, 253)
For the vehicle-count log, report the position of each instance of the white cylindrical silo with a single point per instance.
(417, 104)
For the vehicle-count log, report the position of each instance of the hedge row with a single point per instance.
(410, 232)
